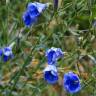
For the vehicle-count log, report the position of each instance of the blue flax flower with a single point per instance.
(30, 16)
(1, 52)
(53, 55)
(71, 82)
(50, 74)
(28, 20)
(36, 8)
(7, 54)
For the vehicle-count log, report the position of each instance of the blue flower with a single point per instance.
(71, 82)
(1, 52)
(28, 20)
(30, 16)
(53, 55)
(7, 54)
(50, 74)
(36, 8)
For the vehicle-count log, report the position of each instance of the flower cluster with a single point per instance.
(50, 72)
(71, 80)
(32, 12)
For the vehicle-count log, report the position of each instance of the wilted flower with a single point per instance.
(30, 16)
(53, 55)
(50, 74)
(7, 54)
(71, 82)
(55, 4)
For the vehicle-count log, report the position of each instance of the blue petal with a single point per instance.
(30, 16)
(28, 20)
(5, 58)
(53, 55)
(50, 57)
(11, 56)
(33, 12)
(1, 52)
(7, 51)
(37, 7)
(50, 78)
(40, 6)
(50, 74)
(7, 54)
(71, 82)
(59, 53)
